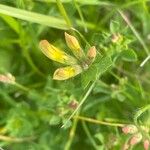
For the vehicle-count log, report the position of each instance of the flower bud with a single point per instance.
(91, 52)
(146, 144)
(73, 104)
(73, 44)
(129, 129)
(136, 138)
(7, 78)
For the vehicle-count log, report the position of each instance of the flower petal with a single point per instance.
(67, 72)
(56, 54)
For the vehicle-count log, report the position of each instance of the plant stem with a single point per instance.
(134, 31)
(63, 12)
(33, 66)
(15, 139)
(145, 61)
(81, 102)
(81, 15)
(140, 112)
(99, 121)
(89, 135)
(21, 87)
(72, 133)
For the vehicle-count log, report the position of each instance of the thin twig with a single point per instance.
(22, 87)
(145, 61)
(99, 121)
(134, 31)
(80, 104)
(137, 36)
(63, 13)
(15, 139)
(81, 15)
(140, 112)
(89, 135)
(72, 133)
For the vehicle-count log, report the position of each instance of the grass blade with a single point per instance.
(33, 17)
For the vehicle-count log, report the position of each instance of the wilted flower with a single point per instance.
(8, 78)
(76, 66)
(73, 104)
(136, 138)
(129, 129)
(146, 144)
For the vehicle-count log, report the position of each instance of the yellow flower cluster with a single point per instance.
(75, 66)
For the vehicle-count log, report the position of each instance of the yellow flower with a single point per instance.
(67, 72)
(75, 67)
(56, 54)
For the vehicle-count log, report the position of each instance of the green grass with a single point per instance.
(36, 112)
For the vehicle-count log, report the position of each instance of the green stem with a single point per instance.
(89, 135)
(140, 112)
(134, 31)
(99, 121)
(21, 87)
(81, 102)
(72, 133)
(145, 61)
(80, 14)
(30, 62)
(63, 13)
(16, 139)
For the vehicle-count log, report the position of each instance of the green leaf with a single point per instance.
(5, 61)
(104, 64)
(101, 88)
(11, 22)
(88, 75)
(100, 137)
(55, 120)
(120, 97)
(97, 38)
(82, 2)
(128, 55)
(33, 17)
(114, 27)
